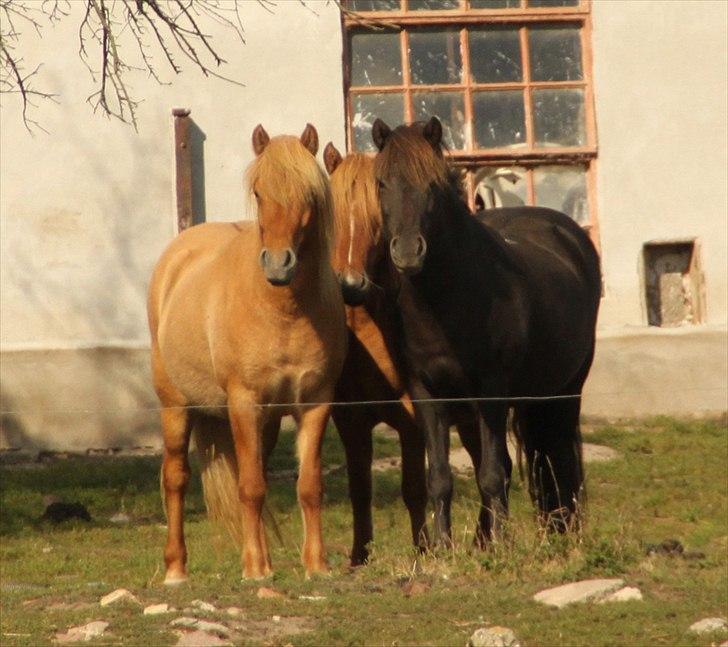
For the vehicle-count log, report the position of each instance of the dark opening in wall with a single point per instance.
(674, 290)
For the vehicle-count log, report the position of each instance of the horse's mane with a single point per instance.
(288, 174)
(354, 193)
(409, 153)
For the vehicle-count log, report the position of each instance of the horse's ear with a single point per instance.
(309, 138)
(432, 132)
(332, 158)
(380, 133)
(260, 139)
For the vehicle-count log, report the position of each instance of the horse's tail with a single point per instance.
(219, 473)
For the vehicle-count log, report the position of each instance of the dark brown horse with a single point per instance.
(370, 372)
(497, 309)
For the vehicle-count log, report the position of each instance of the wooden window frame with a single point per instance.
(472, 159)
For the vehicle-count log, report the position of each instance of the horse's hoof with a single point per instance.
(174, 579)
(317, 570)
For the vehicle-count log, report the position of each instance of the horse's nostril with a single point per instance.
(393, 244)
(290, 258)
(421, 246)
(263, 257)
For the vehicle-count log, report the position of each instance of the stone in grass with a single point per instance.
(265, 593)
(583, 591)
(157, 609)
(493, 637)
(709, 625)
(202, 625)
(119, 596)
(83, 633)
(625, 594)
(199, 638)
(234, 612)
(203, 606)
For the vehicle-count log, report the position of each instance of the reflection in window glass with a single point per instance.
(374, 5)
(366, 108)
(433, 5)
(555, 53)
(499, 119)
(558, 117)
(504, 186)
(563, 188)
(448, 107)
(376, 59)
(435, 56)
(553, 3)
(495, 55)
(495, 4)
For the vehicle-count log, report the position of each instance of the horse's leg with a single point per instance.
(311, 427)
(552, 439)
(176, 428)
(246, 422)
(414, 479)
(433, 421)
(271, 429)
(494, 475)
(355, 429)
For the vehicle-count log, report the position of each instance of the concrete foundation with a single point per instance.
(81, 398)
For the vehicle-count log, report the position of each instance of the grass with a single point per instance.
(670, 482)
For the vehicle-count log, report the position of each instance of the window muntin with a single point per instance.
(509, 80)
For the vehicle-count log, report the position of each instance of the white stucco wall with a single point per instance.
(660, 86)
(87, 208)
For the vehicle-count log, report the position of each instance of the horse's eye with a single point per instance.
(381, 185)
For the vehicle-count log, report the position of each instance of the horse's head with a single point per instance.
(357, 221)
(291, 192)
(411, 174)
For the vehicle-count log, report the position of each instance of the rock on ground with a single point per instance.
(493, 637)
(203, 606)
(83, 633)
(202, 625)
(120, 595)
(156, 609)
(265, 593)
(199, 638)
(583, 591)
(625, 594)
(709, 625)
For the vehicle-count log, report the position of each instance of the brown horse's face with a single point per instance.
(408, 207)
(358, 232)
(282, 229)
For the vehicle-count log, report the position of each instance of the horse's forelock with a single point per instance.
(353, 189)
(409, 154)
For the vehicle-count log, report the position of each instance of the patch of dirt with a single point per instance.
(272, 629)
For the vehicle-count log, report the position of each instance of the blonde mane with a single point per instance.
(288, 174)
(354, 192)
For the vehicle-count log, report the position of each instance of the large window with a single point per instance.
(509, 79)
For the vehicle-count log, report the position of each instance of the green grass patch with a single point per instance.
(669, 482)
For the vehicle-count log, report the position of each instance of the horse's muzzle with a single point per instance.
(354, 288)
(278, 266)
(408, 254)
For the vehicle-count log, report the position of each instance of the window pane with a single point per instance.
(435, 56)
(433, 5)
(499, 119)
(374, 5)
(366, 108)
(555, 53)
(495, 4)
(553, 3)
(505, 186)
(558, 117)
(563, 188)
(448, 107)
(495, 55)
(376, 59)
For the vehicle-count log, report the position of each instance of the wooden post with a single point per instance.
(183, 167)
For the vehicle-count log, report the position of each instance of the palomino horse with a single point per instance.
(370, 372)
(244, 316)
(497, 308)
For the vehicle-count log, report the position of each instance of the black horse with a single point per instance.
(502, 307)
